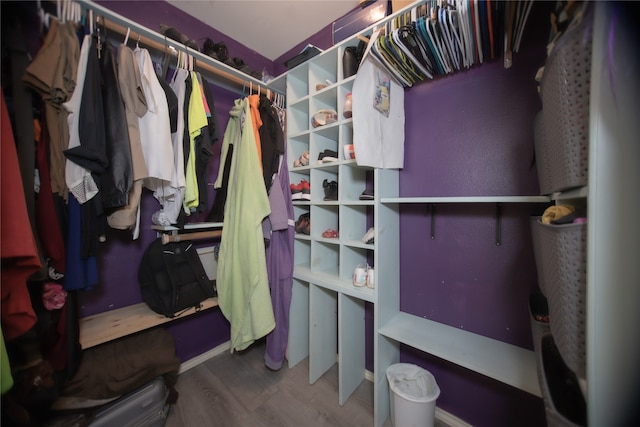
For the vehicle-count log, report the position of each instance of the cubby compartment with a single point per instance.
(353, 181)
(325, 100)
(352, 257)
(325, 258)
(560, 254)
(302, 247)
(320, 176)
(325, 218)
(324, 138)
(296, 146)
(323, 70)
(297, 83)
(298, 117)
(353, 224)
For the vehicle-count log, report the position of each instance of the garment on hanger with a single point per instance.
(117, 179)
(279, 259)
(135, 103)
(197, 120)
(172, 206)
(78, 178)
(52, 74)
(243, 286)
(17, 247)
(155, 127)
(271, 140)
(378, 115)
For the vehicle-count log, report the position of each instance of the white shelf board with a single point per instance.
(468, 199)
(501, 361)
(333, 283)
(358, 244)
(576, 193)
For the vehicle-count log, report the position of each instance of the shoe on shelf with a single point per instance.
(301, 190)
(324, 117)
(303, 224)
(296, 191)
(330, 233)
(360, 276)
(349, 154)
(369, 236)
(303, 160)
(328, 156)
(306, 189)
(371, 281)
(366, 195)
(347, 111)
(330, 190)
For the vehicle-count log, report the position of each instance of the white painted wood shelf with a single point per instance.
(468, 199)
(495, 359)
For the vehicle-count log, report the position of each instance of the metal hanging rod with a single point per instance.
(222, 74)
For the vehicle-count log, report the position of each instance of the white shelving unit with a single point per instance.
(327, 311)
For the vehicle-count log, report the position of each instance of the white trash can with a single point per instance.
(413, 395)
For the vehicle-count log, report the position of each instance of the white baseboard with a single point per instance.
(201, 358)
(441, 415)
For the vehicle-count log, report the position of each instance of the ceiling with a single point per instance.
(269, 27)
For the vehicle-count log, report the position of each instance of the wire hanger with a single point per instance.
(126, 38)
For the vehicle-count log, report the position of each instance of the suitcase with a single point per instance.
(146, 406)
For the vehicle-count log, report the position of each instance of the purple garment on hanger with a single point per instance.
(280, 266)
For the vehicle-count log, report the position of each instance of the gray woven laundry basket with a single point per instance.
(560, 253)
(562, 134)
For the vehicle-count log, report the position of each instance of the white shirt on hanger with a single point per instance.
(155, 128)
(378, 116)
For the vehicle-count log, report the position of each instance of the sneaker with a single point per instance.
(303, 160)
(360, 276)
(306, 189)
(330, 190)
(366, 195)
(369, 236)
(371, 281)
(303, 224)
(328, 156)
(296, 191)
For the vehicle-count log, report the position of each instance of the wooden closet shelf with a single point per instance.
(110, 325)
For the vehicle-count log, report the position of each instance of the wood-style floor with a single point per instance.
(238, 390)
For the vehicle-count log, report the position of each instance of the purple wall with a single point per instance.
(471, 134)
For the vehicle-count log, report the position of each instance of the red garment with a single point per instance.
(47, 223)
(17, 244)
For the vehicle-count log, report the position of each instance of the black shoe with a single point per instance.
(366, 195)
(328, 156)
(330, 190)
